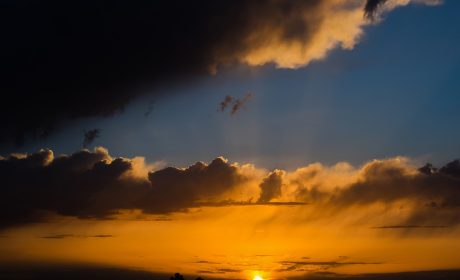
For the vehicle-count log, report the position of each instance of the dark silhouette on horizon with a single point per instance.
(177, 276)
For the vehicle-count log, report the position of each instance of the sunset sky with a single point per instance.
(279, 139)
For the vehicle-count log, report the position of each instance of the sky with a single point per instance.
(230, 139)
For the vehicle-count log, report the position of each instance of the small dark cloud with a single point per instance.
(164, 219)
(240, 103)
(431, 204)
(235, 104)
(289, 268)
(90, 136)
(229, 270)
(332, 264)
(209, 272)
(62, 236)
(224, 104)
(241, 264)
(59, 236)
(267, 255)
(305, 258)
(205, 262)
(427, 169)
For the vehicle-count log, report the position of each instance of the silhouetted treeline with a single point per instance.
(177, 276)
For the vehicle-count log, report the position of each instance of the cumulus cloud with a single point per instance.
(270, 187)
(174, 189)
(413, 198)
(94, 185)
(58, 67)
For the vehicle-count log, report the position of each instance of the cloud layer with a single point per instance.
(79, 59)
(92, 185)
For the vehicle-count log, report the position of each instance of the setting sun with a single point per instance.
(258, 278)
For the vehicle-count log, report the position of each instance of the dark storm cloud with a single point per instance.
(270, 188)
(77, 59)
(90, 136)
(91, 185)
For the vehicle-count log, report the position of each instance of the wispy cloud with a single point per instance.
(90, 136)
(235, 104)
